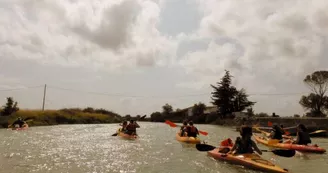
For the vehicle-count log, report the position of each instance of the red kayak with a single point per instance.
(301, 148)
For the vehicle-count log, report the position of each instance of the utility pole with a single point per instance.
(44, 96)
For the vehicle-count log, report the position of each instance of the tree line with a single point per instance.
(228, 99)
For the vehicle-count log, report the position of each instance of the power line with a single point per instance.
(123, 95)
(23, 88)
(149, 96)
(178, 96)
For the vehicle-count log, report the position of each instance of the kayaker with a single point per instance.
(303, 137)
(19, 122)
(124, 124)
(277, 133)
(131, 128)
(184, 129)
(192, 130)
(245, 144)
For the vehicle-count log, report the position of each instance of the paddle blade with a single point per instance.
(284, 153)
(170, 123)
(203, 133)
(143, 117)
(287, 132)
(204, 147)
(115, 134)
(318, 131)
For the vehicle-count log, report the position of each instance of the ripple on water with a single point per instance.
(92, 149)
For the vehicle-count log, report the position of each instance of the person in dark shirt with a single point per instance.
(131, 128)
(303, 137)
(244, 144)
(277, 133)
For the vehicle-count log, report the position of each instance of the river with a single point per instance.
(92, 149)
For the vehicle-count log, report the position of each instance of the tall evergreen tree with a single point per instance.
(227, 98)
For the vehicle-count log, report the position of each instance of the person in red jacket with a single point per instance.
(131, 128)
(192, 130)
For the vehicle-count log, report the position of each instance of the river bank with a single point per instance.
(63, 116)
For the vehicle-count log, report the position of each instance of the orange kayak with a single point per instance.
(301, 148)
(186, 139)
(126, 136)
(251, 161)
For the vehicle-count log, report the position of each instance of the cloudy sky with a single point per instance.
(133, 56)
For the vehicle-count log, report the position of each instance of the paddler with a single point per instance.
(303, 137)
(184, 129)
(277, 133)
(18, 123)
(131, 128)
(124, 124)
(192, 130)
(245, 144)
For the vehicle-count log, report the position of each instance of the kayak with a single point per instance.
(301, 148)
(25, 127)
(126, 136)
(190, 140)
(251, 161)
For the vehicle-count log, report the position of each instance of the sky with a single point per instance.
(134, 56)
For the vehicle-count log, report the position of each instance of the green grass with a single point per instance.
(64, 116)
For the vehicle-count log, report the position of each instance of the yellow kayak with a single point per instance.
(251, 161)
(126, 136)
(190, 140)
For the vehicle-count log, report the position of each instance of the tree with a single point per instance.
(167, 109)
(127, 117)
(89, 110)
(198, 109)
(240, 102)
(227, 98)
(156, 116)
(250, 112)
(262, 114)
(317, 101)
(10, 107)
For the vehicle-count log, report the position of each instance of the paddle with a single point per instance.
(28, 119)
(174, 125)
(317, 131)
(115, 134)
(279, 152)
(267, 134)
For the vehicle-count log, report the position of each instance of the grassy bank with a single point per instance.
(63, 116)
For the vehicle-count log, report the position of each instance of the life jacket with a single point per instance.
(277, 134)
(227, 143)
(304, 138)
(244, 147)
(193, 129)
(131, 127)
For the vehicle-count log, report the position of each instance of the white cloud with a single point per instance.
(98, 34)
(269, 46)
(281, 42)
